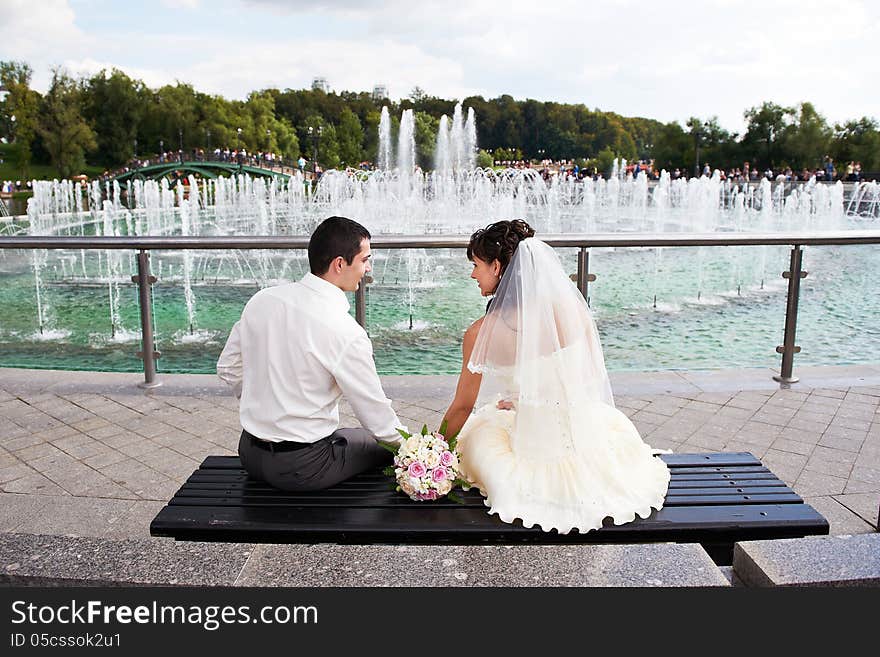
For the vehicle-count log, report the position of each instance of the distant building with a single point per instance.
(320, 84)
(380, 92)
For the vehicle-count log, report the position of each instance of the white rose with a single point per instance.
(412, 444)
(432, 459)
(406, 487)
(444, 487)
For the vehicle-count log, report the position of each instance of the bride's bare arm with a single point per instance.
(468, 385)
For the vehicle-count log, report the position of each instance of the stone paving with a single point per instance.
(93, 455)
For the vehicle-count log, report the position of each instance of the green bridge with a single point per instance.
(205, 169)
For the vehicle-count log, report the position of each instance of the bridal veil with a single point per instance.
(564, 457)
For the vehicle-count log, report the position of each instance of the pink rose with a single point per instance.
(446, 459)
(430, 495)
(440, 436)
(439, 474)
(416, 470)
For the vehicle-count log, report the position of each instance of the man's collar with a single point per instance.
(326, 289)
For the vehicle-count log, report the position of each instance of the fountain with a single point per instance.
(419, 302)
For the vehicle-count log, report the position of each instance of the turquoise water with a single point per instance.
(711, 309)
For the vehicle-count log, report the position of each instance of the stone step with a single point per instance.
(47, 560)
(811, 561)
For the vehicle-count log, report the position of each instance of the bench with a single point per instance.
(713, 499)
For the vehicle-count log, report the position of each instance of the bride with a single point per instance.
(552, 450)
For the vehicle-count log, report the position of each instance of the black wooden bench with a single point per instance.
(713, 499)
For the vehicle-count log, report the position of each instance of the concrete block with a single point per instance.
(657, 564)
(812, 561)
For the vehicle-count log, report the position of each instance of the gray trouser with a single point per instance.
(343, 454)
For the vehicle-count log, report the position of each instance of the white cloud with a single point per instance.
(667, 61)
(30, 29)
(182, 4)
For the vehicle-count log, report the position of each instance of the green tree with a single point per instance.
(65, 133)
(321, 141)
(604, 161)
(426, 127)
(175, 111)
(112, 105)
(19, 113)
(484, 159)
(350, 136)
(857, 140)
(807, 140)
(766, 126)
(673, 148)
(710, 144)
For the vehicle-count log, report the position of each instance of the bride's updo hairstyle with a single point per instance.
(498, 241)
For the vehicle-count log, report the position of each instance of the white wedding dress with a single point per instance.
(564, 457)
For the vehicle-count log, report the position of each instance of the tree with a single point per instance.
(807, 140)
(426, 127)
(766, 125)
(857, 141)
(673, 148)
(112, 105)
(321, 142)
(712, 144)
(65, 133)
(350, 135)
(604, 161)
(18, 112)
(484, 159)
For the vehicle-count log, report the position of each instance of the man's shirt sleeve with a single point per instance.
(229, 365)
(355, 372)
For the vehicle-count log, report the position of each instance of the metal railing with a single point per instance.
(583, 277)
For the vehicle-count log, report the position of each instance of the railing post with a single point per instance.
(788, 348)
(148, 353)
(360, 301)
(584, 277)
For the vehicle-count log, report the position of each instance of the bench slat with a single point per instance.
(393, 502)
(342, 498)
(691, 524)
(673, 460)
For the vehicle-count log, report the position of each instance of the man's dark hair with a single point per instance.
(334, 237)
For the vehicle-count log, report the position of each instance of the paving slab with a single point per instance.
(17, 509)
(661, 565)
(865, 505)
(811, 561)
(841, 519)
(76, 516)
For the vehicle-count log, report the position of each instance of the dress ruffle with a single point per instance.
(609, 472)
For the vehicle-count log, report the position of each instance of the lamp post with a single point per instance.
(208, 134)
(698, 134)
(135, 147)
(161, 150)
(315, 134)
(4, 92)
(240, 156)
(180, 151)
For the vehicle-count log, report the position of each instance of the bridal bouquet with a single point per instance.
(425, 465)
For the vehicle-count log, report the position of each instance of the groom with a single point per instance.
(293, 354)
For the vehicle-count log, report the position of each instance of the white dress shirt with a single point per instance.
(293, 354)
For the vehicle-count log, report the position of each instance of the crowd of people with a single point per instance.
(569, 170)
(548, 169)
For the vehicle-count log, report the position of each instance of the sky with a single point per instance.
(662, 60)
